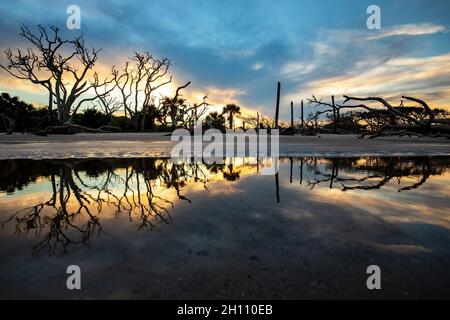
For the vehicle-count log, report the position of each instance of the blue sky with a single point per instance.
(236, 51)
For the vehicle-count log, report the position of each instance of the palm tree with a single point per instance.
(231, 110)
(173, 108)
(152, 113)
(215, 120)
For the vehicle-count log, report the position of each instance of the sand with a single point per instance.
(19, 146)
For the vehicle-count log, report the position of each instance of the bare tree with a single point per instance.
(138, 81)
(180, 112)
(108, 104)
(63, 67)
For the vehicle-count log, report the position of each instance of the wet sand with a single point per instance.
(159, 144)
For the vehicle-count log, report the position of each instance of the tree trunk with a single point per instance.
(334, 115)
(257, 122)
(143, 122)
(277, 188)
(277, 110)
(303, 123)
(292, 115)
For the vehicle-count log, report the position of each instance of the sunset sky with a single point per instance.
(236, 51)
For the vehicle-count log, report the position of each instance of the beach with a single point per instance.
(117, 145)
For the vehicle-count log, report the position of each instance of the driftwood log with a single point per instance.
(71, 128)
(404, 124)
(400, 124)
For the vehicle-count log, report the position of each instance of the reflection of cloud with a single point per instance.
(428, 207)
(402, 248)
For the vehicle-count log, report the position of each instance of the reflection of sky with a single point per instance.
(236, 51)
(428, 204)
(235, 228)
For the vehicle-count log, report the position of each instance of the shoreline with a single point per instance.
(138, 145)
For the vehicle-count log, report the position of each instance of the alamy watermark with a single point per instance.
(74, 19)
(374, 20)
(74, 280)
(374, 280)
(213, 146)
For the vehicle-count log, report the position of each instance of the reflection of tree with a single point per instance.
(79, 188)
(60, 222)
(136, 188)
(375, 172)
(230, 174)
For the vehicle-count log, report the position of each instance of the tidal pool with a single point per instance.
(150, 228)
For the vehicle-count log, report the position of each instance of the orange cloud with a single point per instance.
(422, 77)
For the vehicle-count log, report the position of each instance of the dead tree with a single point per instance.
(326, 109)
(176, 106)
(301, 115)
(193, 113)
(277, 107)
(138, 81)
(335, 112)
(63, 67)
(292, 115)
(396, 120)
(428, 125)
(108, 104)
(257, 122)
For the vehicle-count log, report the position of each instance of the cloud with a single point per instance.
(257, 66)
(249, 46)
(295, 69)
(217, 97)
(408, 30)
(350, 62)
(423, 77)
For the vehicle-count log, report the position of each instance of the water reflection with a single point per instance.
(374, 173)
(80, 189)
(145, 190)
(308, 232)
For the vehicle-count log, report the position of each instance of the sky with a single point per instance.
(236, 51)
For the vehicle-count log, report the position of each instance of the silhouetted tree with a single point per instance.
(215, 120)
(231, 110)
(62, 67)
(16, 115)
(387, 119)
(92, 118)
(138, 81)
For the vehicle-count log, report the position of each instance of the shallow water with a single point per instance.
(149, 228)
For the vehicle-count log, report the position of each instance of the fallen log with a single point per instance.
(428, 126)
(72, 128)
